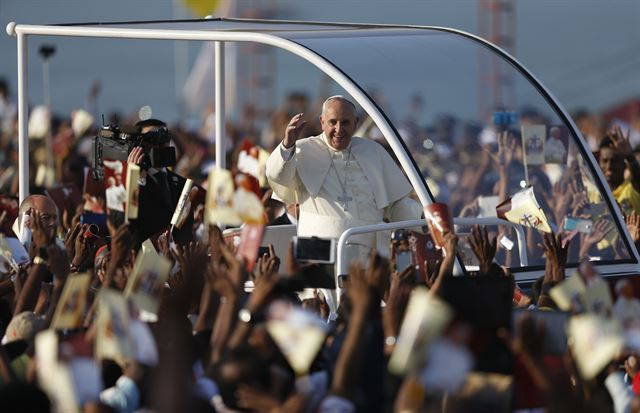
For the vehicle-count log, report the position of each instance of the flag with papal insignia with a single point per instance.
(523, 208)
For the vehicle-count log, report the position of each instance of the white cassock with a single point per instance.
(374, 188)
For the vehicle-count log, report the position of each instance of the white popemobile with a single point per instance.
(381, 67)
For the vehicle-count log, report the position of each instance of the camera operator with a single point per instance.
(160, 191)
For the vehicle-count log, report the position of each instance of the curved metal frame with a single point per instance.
(323, 64)
(377, 115)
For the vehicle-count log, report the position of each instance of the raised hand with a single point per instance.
(556, 257)
(396, 304)
(599, 230)
(358, 289)
(217, 279)
(82, 247)
(292, 132)
(472, 209)
(621, 142)
(136, 156)
(483, 247)
(561, 199)
(506, 149)
(633, 225)
(70, 239)
(164, 245)
(236, 268)
(378, 272)
(450, 243)
(267, 264)
(192, 258)
(266, 279)
(43, 235)
(580, 202)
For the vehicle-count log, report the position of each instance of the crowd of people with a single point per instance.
(84, 328)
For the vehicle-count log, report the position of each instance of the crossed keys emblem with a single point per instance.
(530, 220)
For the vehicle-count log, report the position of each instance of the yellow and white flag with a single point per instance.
(523, 208)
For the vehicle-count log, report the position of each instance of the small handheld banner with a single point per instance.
(133, 191)
(147, 279)
(184, 206)
(69, 312)
(523, 208)
(219, 205)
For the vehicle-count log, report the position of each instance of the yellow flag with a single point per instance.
(201, 8)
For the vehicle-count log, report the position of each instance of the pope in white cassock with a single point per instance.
(340, 181)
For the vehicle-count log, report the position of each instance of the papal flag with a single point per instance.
(298, 333)
(523, 208)
(424, 321)
(596, 342)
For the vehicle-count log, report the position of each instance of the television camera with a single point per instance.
(115, 143)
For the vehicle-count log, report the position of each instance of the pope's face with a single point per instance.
(338, 124)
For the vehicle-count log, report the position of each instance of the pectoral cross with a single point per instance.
(344, 199)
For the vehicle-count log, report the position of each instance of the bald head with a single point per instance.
(43, 204)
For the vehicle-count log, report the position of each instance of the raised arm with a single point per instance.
(43, 236)
(228, 281)
(59, 265)
(622, 145)
(348, 366)
(556, 261)
(266, 280)
(444, 269)
(502, 160)
(483, 247)
(279, 170)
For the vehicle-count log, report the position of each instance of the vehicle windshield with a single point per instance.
(481, 132)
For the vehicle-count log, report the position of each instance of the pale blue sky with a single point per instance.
(586, 52)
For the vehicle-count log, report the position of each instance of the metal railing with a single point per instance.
(342, 264)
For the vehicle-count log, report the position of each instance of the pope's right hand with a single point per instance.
(292, 132)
